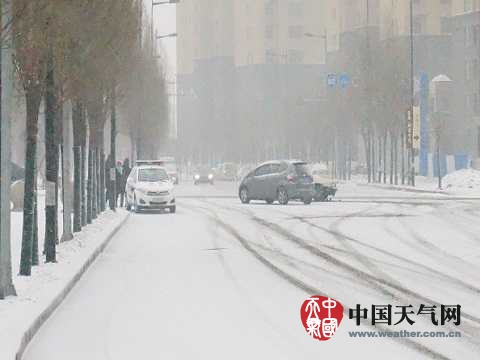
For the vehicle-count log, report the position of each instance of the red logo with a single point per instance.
(321, 316)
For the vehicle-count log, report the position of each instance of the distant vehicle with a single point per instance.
(203, 175)
(167, 162)
(149, 187)
(278, 180)
(228, 172)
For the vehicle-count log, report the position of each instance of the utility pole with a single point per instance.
(6, 94)
(411, 164)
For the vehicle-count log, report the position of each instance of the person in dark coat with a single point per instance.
(125, 173)
(120, 186)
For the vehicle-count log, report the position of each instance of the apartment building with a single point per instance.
(243, 65)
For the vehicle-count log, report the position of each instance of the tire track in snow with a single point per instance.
(425, 350)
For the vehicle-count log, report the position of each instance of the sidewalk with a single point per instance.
(40, 294)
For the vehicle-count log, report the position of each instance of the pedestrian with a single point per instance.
(125, 174)
(119, 187)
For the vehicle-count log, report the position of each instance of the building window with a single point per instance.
(270, 56)
(419, 22)
(295, 32)
(295, 56)
(295, 8)
(271, 7)
(269, 31)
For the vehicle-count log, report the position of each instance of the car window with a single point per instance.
(302, 169)
(263, 170)
(275, 168)
(283, 167)
(152, 175)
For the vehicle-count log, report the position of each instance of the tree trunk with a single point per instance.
(66, 176)
(392, 163)
(402, 152)
(51, 162)
(113, 134)
(35, 250)
(78, 130)
(33, 98)
(396, 159)
(90, 183)
(84, 183)
(366, 140)
(6, 96)
(385, 157)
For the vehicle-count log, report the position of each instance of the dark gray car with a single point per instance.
(278, 180)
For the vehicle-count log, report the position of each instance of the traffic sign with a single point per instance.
(332, 80)
(344, 80)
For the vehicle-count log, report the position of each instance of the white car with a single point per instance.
(150, 187)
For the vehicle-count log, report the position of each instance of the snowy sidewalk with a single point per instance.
(462, 182)
(40, 294)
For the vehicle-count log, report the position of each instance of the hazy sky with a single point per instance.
(165, 23)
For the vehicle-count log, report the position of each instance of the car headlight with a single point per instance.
(210, 176)
(197, 177)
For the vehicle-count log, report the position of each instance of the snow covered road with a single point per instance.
(221, 280)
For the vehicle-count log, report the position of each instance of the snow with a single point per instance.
(37, 292)
(461, 180)
(224, 280)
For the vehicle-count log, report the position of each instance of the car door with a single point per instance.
(258, 184)
(271, 182)
(130, 186)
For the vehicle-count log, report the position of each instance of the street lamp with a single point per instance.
(155, 3)
(172, 35)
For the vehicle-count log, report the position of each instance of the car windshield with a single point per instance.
(152, 175)
(204, 170)
(302, 169)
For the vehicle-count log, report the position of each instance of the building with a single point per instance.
(464, 26)
(247, 74)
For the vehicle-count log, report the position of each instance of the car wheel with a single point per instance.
(307, 200)
(269, 201)
(173, 209)
(282, 196)
(244, 195)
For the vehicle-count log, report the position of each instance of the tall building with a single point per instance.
(247, 67)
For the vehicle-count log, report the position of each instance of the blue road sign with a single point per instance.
(344, 80)
(332, 80)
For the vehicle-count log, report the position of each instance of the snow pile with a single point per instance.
(39, 291)
(466, 179)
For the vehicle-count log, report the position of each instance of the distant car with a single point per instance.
(150, 187)
(203, 175)
(278, 180)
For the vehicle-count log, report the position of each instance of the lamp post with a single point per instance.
(157, 3)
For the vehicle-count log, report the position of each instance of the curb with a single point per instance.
(43, 317)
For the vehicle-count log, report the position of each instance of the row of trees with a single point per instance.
(373, 105)
(90, 57)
